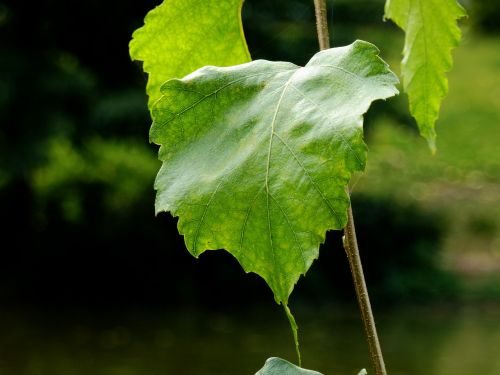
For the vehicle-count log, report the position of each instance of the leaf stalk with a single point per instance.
(295, 328)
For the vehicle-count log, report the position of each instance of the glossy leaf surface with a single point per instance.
(180, 36)
(431, 32)
(256, 157)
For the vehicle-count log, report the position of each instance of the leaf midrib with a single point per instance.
(268, 166)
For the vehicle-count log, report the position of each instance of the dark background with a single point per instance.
(76, 170)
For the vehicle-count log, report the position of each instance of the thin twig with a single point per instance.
(352, 251)
(322, 24)
(350, 240)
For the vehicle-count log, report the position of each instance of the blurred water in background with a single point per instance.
(437, 341)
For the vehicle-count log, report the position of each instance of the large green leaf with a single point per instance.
(256, 157)
(431, 32)
(180, 36)
(278, 366)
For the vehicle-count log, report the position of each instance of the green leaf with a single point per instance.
(278, 366)
(180, 36)
(431, 32)
(257, 157)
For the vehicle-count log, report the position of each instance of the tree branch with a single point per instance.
(322, 24)
(350, 240)
(352, 251)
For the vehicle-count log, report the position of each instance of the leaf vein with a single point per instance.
(247, 215)
(292, 229)
(342, 138)
(205, 210)
(313, 182)
(206, 96)
(268, 165)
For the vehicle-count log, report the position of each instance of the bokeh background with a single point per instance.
(91, 282)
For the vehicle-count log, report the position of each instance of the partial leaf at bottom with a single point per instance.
(256, 157)
(278, 366)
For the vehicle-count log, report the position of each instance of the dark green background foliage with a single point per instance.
(76, 169)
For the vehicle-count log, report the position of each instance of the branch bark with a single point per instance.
(352, 251)
(350, 240)
(322, 24)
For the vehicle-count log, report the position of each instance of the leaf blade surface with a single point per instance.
(256, 157)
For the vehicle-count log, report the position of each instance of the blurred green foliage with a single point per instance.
(123, 168)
